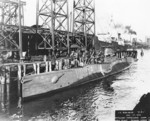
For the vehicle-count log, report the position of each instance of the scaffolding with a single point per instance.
(9, 23)
(52, 30)
(53, 15)
(84, 22)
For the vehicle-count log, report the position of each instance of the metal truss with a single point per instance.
(61, 23)
(44, 20)
(9, 23)
(61, 15)
(53, 15)
(84, 22)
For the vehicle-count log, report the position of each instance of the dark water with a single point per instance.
(95, 101)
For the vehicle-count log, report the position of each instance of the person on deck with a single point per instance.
(72, 59)
(76, 58)
(53, 62)
(1, 58)
(84, 57)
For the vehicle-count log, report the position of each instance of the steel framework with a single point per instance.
(84, 22)
(52, 24)
(53, 15)
(9, 23)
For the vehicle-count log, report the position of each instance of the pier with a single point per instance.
(56, 29)
(59, 69)
(52, 33)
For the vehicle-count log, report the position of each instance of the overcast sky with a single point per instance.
(128, 12)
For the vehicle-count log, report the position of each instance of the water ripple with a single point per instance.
(95, 101)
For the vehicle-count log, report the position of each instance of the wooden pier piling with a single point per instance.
(46, 66)
(19, 72)
(3, 82)
(34, 67)
(2, 88)
(38, 68)
(19, 80)
(24, 70)
(3, 102)
(50, 66)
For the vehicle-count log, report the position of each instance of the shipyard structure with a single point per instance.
(61, 50)
(56, 28)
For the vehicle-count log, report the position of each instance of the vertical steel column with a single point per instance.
(68, 43)
(53, 16)
(44, 19)
(10, 12)
(93, 43)
(61, 11)
(79, 20)
(37, 14)
(52, 26)
(10, 16)
(73, 16)
(37, 23)
(2, 8)
(20, 31)
(78, 16)
(22, 15)
(84, 21)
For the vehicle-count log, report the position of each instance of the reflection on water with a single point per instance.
(95, 101)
